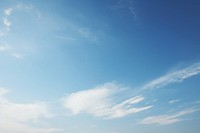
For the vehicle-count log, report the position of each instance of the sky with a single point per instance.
(103, 66)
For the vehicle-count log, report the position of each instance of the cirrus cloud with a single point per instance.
(99, 102)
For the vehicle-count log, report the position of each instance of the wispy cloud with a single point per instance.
(8, 11)
(18, 56)
(21, 112)
(127, 5)
(177, 76)
(88, 34)
(7, 27)
(3, 91)
(167, 119)
(6, 22)
(13, 127)
(15, 116)
(4, 47)
(174, 101)
(99, 102)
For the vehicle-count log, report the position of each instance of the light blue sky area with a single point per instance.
(117, 66)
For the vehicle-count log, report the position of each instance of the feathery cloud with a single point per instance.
(99, 102)
(174, 101)
(126, 5)
(4, 47)
(167, 119)
(177, 76)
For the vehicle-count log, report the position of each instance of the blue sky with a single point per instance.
(107, 66)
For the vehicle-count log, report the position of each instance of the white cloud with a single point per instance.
(167, 119)
(174, 101)
(99, 102)
(4, 47)
(15, 116)
(88, 34)
(14, 127)
(126, 108)
(18, 56)
(6, 22)
(3, 91)
(126, 5)
(177, 76)
(8, 11)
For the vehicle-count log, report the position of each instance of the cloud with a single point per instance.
(6, 22)
(8, 11)
(3, 91)
(167, 119)
(18, 56)
(174, 77)
(88, 34)
(13, 127)
(15, 116)
(99, 102)
(174, 101)
(126, 5)
(125, 108)
(4, 47)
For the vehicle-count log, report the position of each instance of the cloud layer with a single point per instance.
(15, 116)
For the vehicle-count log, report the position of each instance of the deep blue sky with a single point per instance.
(106, 66)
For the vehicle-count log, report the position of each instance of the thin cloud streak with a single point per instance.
(174, 77)
(174, 101)
(127, 5)
(4, 48)
(168, 118)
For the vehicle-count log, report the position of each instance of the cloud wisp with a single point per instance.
(16, 116)
(6, 22)
(126, 5)
(9, 11)
(174, 101)
(168, 118)
(4, 47)
(174, 77)
(99, 102)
